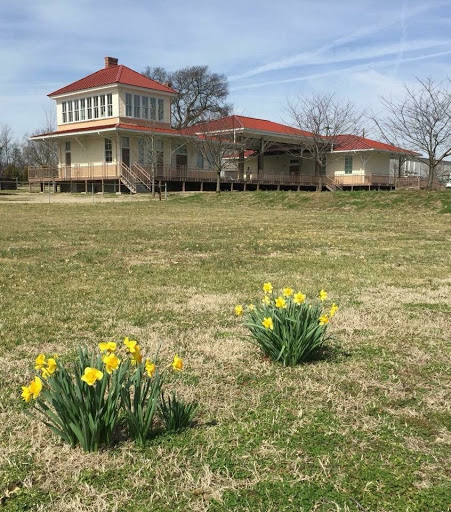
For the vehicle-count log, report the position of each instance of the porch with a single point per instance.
(138, 178)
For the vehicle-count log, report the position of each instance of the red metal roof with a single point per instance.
(114, 75)
(356, 143)
(249, 123)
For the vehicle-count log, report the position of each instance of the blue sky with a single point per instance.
(271, 52)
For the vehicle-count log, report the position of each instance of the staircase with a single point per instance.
(144, 180)
(331, 184)
(128, 178)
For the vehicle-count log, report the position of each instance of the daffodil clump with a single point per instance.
(288, 327)
(84, 403)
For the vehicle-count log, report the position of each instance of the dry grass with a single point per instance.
(367, 428)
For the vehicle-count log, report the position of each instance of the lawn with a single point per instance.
(366, 428)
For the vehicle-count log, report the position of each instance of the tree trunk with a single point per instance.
(431, 174)
(218, 182)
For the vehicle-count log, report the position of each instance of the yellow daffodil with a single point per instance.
(177, 363)
(35, 387)
(91, 375)
(40, 362)
(150, 367)
(108, 346)
(266, 300)
(333, 310)
(299, 298)
(287, 292)
(267, 323)
(132, 345)
(281, 303)
(251, 307)
(322, 295)
(137, 356)
(238, 310)
(267, 287)
(51, 367)
(324, 319)
(111, 362)
(26, 393)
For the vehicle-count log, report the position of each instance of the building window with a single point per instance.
(83, 109)
(68, 159)
(70, 111)
(96, 107)
(64, 112)
(153, 108)
(145, 106)
(89, 102)
(159, 149)
(102, 106)
(137, 105)
(108, 150)
(160, 110)
(348, 164)
(200, 160)
(128, 105)
(76, 110)
(109, 98)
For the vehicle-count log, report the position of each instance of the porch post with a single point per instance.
(241, 163)
(260, 157)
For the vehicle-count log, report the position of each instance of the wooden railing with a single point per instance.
(128, 177)
(142, 175)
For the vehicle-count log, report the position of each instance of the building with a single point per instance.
(114, 133)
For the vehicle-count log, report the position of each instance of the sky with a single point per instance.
(271, 52)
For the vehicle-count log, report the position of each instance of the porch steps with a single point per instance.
(128, 178)
(331, 184)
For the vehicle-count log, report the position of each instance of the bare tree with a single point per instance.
(327, 119)
(44, 151)
(216, 145)
(202, 94)
(6, 142)
(420, 121)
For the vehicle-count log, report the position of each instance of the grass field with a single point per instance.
(368, 428)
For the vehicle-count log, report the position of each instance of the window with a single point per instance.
(159, 149)
(83, 109)
(109, 98)
(348, 164)
(76, 110)
(68, 159)
(70, 111)
(137, 105)
(160, 110)
(89, 102)
(64, 112)
(153, 108)
(96, 107)
(200, 160)
(102, 106)
(108, 150)
(128, 105)
(145, 105)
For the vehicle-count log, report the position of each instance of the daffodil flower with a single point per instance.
(268, 323)
(299, 298)
(238, 310)
(322, 295)
(177, 363)
(91, 375)
(111, 362)
(108, 346)
(324, 319)
(266, 300)
(287, 292)
(267, 287)
(150, 367)
(281, 303)
(40, 362)
(251, 307)
(132, 345)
